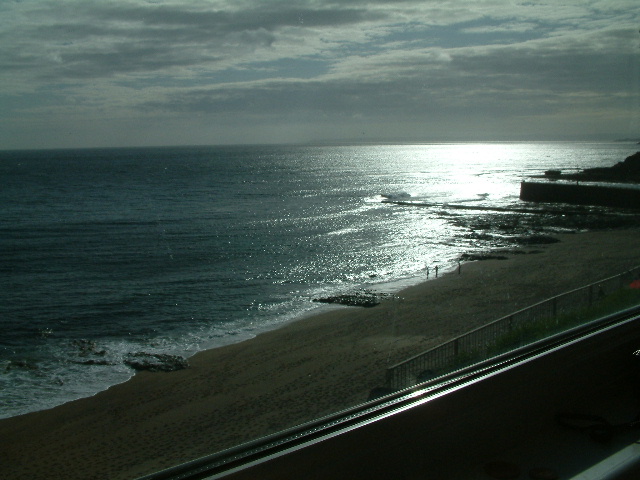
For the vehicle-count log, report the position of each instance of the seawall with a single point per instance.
(580, 194)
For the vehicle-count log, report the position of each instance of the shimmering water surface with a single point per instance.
(175, 250)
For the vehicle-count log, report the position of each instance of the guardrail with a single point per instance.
(512, 331)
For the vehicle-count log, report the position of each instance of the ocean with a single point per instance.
(109, 252)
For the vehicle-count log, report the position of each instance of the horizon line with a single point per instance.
(323, 143)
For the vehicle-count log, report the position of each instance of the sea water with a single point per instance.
(107, 252)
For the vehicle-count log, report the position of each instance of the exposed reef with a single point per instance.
(155, 362)
(88, 347)
(474, 257)
(365, 299)
(91, 354)
(20, 364)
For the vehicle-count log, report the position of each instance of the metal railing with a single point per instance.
(512, 331)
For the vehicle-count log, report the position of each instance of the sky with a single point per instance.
(96, 73)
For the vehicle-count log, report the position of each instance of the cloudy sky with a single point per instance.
(154, 72)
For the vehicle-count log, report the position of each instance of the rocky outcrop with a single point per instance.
(360, 299)
(626, 171)
(95, 362)
(91, 354)
(88, 347)
(155, 362)
(20, 364)
(474, 257)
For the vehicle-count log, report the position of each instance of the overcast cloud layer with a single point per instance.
(96, 73)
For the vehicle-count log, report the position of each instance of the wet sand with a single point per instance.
(306, 369)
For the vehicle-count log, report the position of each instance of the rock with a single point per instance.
(360, 299)
(625, 171)
(471, 257)
(45, 332)
(631, 164)
(23, 364)
(155, 362)
(95, 362)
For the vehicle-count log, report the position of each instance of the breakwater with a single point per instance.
(580, 194)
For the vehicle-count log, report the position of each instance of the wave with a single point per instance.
(396, 196)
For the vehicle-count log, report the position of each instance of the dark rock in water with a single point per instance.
(45, 332)
(499, 254)
(88, 347)
(155, 362)
(23, 364)
(472, 257)
(361, 299)
(95, 362)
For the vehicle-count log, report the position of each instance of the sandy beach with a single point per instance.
(306, 369)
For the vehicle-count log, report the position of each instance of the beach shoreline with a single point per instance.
(308, 368)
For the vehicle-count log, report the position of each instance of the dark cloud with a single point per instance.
(261, 15)
(533, 78)
(104, 39)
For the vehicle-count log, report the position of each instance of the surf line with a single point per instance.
(483, 208)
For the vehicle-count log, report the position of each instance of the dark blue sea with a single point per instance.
(107, 252)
